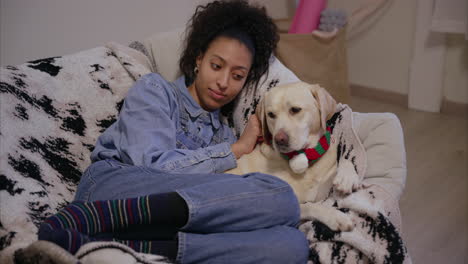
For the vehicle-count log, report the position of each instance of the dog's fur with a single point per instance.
(293, 117)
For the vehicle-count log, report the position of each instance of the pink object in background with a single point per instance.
(307, 16)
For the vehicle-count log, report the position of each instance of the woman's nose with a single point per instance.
(223, 80)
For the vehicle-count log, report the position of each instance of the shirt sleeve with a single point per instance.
(145, 134)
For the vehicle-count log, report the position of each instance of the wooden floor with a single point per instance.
(434, 205)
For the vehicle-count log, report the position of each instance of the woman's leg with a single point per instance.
(216, 202)
(280, 244)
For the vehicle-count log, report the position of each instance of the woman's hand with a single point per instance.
(248, 139)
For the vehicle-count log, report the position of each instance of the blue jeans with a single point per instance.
(232, 219)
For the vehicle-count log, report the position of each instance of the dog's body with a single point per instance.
(311, 186)
(293, 118)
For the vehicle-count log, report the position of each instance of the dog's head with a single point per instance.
(294, 116)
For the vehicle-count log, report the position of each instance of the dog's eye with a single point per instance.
(295, 110)
(271, 115)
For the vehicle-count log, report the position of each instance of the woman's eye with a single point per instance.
(295, 110)
(215, 66)
(271, 115)
(238, 77)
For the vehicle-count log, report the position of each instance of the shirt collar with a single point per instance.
(192, 107)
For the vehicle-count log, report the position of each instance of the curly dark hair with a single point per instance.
(211, 20)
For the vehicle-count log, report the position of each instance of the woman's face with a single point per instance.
(222, 72)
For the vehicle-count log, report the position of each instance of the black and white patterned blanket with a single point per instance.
(374, 239)
(52, 111)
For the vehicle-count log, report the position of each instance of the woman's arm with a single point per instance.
(248, 139)
(145, 134)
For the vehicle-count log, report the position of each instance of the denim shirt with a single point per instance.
(161, 126)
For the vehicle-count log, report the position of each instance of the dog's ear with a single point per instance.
(327, 104)
(260, 112)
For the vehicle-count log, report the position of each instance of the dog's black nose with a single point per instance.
(281, 139)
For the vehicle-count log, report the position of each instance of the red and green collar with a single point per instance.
(313, 154)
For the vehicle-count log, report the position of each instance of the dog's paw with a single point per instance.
(346, 180)
(363, 202)
(299, 163)
(340, 222)
(329, 216)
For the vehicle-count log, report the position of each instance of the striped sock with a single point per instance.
(79, 222)
(102, 216)
(112, 215)
(71, 240)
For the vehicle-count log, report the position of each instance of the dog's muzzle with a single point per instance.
(281, 139)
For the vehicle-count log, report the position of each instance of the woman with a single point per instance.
(156, 180)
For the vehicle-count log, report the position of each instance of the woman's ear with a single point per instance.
(198, 60)
(327, 104)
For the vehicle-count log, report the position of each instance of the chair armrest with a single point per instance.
(382, 137)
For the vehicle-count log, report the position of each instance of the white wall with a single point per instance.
(34, 29)
(456, 69)
(381, 54)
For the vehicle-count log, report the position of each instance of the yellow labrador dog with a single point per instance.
(293, 118)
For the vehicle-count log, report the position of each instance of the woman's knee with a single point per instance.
(91, 178)
(284, 203)
(87, 182)
(290, 247)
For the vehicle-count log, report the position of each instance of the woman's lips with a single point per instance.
(216, 95)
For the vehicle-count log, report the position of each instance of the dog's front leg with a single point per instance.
(347, 180)
(299, 163)
(330, 216)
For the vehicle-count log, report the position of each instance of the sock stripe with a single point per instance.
(148, 208)
(85, 217)
(54, 222)
(125, 213)
(118, 213)
(71, 240)
(97, 217)
(61, 220)
(68, 219)
(130, 209)
(110, 207)
(90, 221)
(92, 214)
(143, 212)
(139, 211)
(121, 211)
(101, 215)
(111, 215)
(76, 217)
(82, 214)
